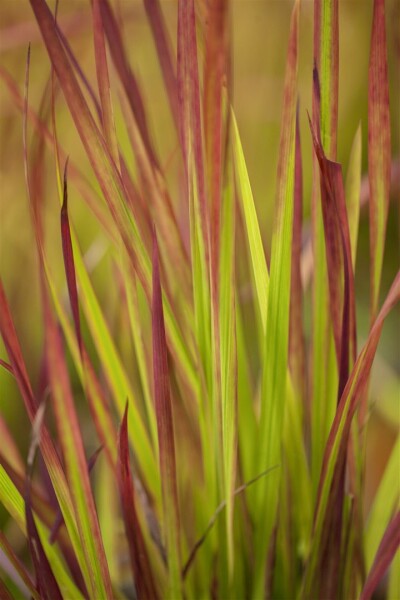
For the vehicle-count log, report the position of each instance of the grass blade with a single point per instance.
(387, 549)
(339, 434)
(259, 264)
(216, 81)
(339, 260)
(5, 547)
(296, 334)
(384, 504)
(103, 81)
(353, 190)
(162, 397)
(379, 154)
(69, 261)
(46, 583)
(143, 577)
(128, 80)
(228, 362)
(13, 503)
(98, 582)
(273, 386)
(323, 363)
(164, 51)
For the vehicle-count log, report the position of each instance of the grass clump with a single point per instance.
(230, 438)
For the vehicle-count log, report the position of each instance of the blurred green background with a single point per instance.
(260, 31)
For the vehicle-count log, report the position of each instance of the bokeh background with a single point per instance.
(260, 31)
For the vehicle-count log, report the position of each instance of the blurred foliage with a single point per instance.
(260, 30)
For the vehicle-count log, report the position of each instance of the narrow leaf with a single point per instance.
(22, 571)
(75, 462)
(69, 261)
(324, 367)
(103, 81)
(339, 434)
(353, 191)
(387, 549)
(162, 397)
(164, 51)
(273, 386)
(260, 270)
(46, 583)
(378, 148)
(383, 506)
(143, 577)
(296, 335)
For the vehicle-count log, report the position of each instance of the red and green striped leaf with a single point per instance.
(274, 376)
(387, 549)
(166, 443)
(379, 151)
(144, 581)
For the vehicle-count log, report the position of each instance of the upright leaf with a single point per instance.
(378, 148)
(162, 397)
(338, 440)
(323, 362)
(273, 386)
(353, 190)
(228, 362)
(387, 549)
(164, 51)
(259, 264)
(103, 81)
(143, 577)
(296, 335)
(385, 501)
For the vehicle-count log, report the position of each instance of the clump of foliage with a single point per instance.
(230, 467)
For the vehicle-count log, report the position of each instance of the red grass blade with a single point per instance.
(20, 568)
(296, 335)
(74, 458)
(94, 144)
(125, 73)
(13, 349)
(331, 481)
(189, 108)
(378, 148)
(387, 549)
(59, 519)
(165, 57)
(9, 448)
(103, 80)
(338, 254)
(87, 192)
(163, 407)
(141, 569)
(216, 116)
(69, 261)
(46, 583)
(6, 366)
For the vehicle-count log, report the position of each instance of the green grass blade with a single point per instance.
(228, 362)
(97, 576)
(275, 360)
(13, 502)
(324, 368)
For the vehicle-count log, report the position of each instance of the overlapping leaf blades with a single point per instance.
(208, 409)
